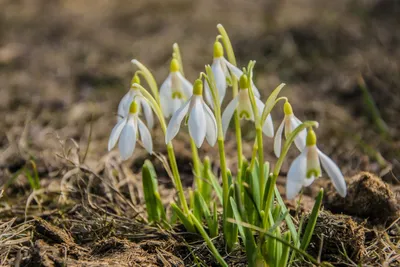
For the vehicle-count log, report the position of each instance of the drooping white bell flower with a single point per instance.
(174, 91)
(306, 168)
(223, 71)
(242, 104)
(125, 103)
(126, 131)
(289, 123)
(201, 120)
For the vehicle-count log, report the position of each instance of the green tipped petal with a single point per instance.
(218, 50)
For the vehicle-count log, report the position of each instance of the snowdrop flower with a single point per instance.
(289, 123)
(125, 103)
(306, 167)
(126, 130)
(242, 104)
(222, 70)
(174, 91)
(201, 121)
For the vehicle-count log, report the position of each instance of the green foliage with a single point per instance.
(254, 215)
(155, 208)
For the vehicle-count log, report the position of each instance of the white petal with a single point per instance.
(233, 69)
(278, 140)
(308, 181)
(187, 87)
(166, 96)
(211, 126)
(175, 122)
(300, 140)
(228, 113)
(220, 79)
(115, 133)
(268, 125)
(123, 106)
(145, 136)
(197, 122)
(334, 173)
(127, 141)
(208, 95)
(148, 114)
(175, 104)
(296, 175)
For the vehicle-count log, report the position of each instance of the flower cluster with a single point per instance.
(180, 100)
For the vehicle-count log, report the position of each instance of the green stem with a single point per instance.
(196, 163)
(259, 135)
(170, 148)
(232, 59)
(149, 78)
(225, 183)
(177, 179)
(221, 147)
(260, 160)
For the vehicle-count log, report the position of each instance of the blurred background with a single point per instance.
(65, 64)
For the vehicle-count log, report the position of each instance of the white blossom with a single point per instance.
(289, 123)
(174, 91)
(125, 103)
(306, 168)
(223, 71)
(125, 132)
(242, 104)
(201, 122)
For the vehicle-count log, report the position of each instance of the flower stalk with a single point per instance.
(170, 148)
(232, 59)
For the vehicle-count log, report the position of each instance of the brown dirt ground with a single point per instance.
(64, 65)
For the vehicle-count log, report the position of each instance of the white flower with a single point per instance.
(290, 122)
(126, 131)
(222, 70)
(306, 168)
(174, 91)
(125, 103)
(242, 104)
(202, 123)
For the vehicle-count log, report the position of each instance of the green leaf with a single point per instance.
(270, 103)
(160, 206)
(184, 219)
(206, 187)
(253, 179)
(201, 205)
(252, 252)
(229, 177)
(283, 241)
(238, 218)
(214, 182)
(230, 229)
(207, 239)
(192, 201)
(288, 219)
(285, 252)
(250, 198)
(312, 221)
(153, 203)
